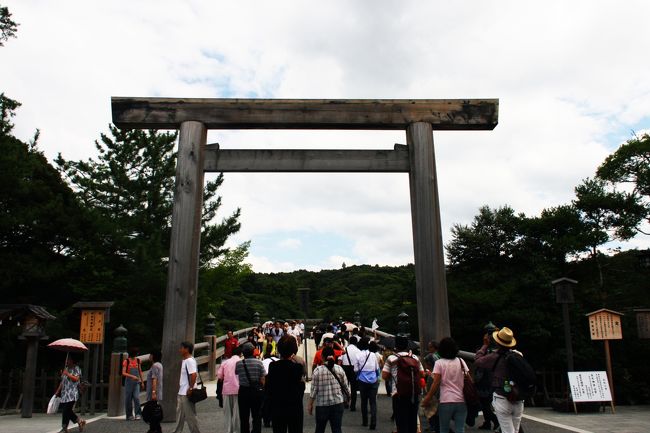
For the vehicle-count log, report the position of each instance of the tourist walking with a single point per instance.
(367, 369)
(483, 381)
(449, 377)
(155, 387)
(269, 347)
(228, 345)
(329, 393)
(277, 332)
(230, 391)
(251, 374)
(508, 407)
(285, 389)
(68, 390)
(348, 361)
(133, 384)
(185, 409)
(403, 370)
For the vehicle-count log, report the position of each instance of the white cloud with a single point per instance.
(290, 244)
(266, 265)
(567, 74)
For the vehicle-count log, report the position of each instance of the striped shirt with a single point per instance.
(255, 371)
(325, 389)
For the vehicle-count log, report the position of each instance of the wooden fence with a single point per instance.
(11, 382)
(207, 353)
(11, 388)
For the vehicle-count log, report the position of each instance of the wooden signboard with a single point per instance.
(92, 327)
(605, 325)
(643, 323)
(589, 386)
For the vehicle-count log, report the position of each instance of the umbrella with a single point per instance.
(350, 326)
(68, 345)
(267, 324)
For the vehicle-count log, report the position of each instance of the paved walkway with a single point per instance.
(537, 420)
(627, 419)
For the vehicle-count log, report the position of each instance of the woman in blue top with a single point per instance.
(367, 368)
(68, 390)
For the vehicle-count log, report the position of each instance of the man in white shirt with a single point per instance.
(185, 409)
(406, 402)
(348, 361)
(294, 331)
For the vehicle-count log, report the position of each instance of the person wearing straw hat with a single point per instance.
(508, 412)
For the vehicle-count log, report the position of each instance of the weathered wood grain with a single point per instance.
(169, 113)
(430, 278)
(314, 161)
(180, 301)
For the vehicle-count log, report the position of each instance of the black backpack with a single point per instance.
(521, 373)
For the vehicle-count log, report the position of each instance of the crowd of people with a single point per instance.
(262, 382)
(428, 393)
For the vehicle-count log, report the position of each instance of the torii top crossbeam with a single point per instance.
(387, 114)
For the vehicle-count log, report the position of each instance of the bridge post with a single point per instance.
(180, 302)
(210, 338)
(115, 389)
(430, 279)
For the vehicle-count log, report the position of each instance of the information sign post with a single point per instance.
(606, 325)
(94, 317)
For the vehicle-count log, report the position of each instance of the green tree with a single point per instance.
(557, 233)
(8, 27)
(8, 109)
(220, 289)
(607, 213)
(630, 165)
(128, 189)
(40, 223)
(494, 234)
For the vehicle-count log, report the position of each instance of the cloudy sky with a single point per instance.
(573, 79)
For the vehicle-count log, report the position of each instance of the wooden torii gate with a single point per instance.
(195, 116)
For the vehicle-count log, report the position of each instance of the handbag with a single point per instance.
(469, 390)
(367, 376)
(53, 405)
(152, 411)
(198, 394)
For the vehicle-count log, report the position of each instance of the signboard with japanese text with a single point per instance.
(605, 325)
(589, 386)
(92, 327)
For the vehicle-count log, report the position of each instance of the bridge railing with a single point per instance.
(207, 353)
(467, 356)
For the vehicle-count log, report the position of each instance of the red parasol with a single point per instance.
(68, 345)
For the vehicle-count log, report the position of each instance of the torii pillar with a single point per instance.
(194, 116)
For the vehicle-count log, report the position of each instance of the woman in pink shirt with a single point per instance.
(230, 391)
(448, 376)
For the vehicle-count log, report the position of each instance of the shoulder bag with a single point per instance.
(198, 394)
(344, 389)
(257, 388)
(469, 390)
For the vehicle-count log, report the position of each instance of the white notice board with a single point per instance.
(589, 386)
